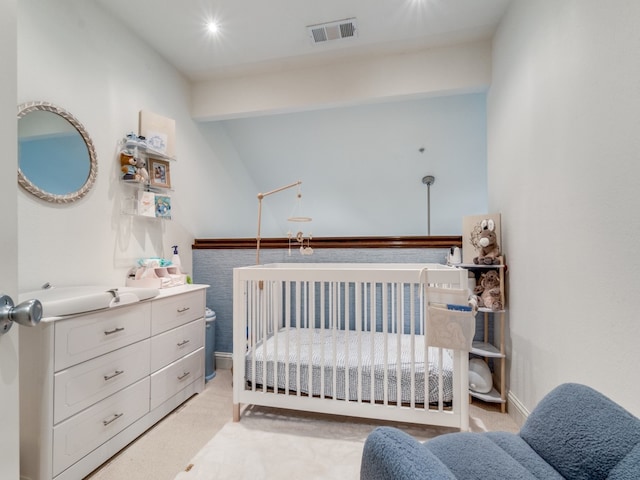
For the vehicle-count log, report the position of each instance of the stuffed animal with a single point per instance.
(133, 168)
(142, 175)
(488, 242)
(480, 379)
(127, 167)
(488, 292)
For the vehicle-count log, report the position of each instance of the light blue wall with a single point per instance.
(361, 167)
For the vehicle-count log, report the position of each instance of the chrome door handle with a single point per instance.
(28, 313)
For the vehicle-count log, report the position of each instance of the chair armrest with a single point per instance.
(391, 454)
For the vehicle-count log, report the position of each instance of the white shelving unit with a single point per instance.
(492, 348)
(134, 188)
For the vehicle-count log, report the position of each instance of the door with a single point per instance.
(9, 413)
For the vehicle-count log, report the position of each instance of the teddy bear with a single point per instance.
(488, 243)
(133, 168)
(127, 167)
(488, 291)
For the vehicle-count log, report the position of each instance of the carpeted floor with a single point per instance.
(199, 441)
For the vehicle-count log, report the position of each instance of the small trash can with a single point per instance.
(210, 343)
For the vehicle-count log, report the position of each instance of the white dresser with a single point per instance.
(92, 383)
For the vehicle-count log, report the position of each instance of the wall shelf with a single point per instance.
(146, 177)
(492, 350)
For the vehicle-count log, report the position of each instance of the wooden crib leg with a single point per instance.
(236, 412)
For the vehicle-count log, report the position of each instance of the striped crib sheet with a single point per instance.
(391, 356)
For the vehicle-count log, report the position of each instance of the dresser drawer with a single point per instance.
(170, 380)
(79, 435)
(176, 310)
(170, 346)
(82, 338)
(82, 385)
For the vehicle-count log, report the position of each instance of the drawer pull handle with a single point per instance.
(115, 417)
(183, 343)
(183, 309)
(184, 375)
(115, 374)
(115, 330)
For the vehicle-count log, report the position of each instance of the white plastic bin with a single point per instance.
(210, 343)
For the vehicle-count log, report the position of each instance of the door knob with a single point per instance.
(28, 313)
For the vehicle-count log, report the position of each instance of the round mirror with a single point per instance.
(56, 157)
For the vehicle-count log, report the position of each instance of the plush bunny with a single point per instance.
(488, 242)
(142, 175)
(488, 291)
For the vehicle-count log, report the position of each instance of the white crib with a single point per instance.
(383, 341)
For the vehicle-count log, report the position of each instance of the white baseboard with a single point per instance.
(224, 360)
(517, 410)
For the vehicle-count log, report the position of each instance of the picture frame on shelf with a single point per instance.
(163, 206)
(159, 173)
(146, 204)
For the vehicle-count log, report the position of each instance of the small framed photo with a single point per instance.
(159, 173)
(163, 206)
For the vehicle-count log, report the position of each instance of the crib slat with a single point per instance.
(374, 329)
(358, 328)
(346, 322)
(297, 337)
(334, 337)
(398, 330)
(287, 353)
(322, 329)
(412, 362)
(385, 331)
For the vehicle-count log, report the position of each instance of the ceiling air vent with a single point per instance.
(325, 32)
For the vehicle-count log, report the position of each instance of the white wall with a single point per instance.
(9, 342)
(563, 169)
(74, 55)
(443, 71)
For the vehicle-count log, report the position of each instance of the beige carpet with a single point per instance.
(274, 444)
(200, 432)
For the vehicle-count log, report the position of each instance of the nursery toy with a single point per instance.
(142, 175)
(488, 291)
(133, 168)
(480, 379)
(127, 167)
(488, 242)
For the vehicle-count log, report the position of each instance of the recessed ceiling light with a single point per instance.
(213, 27)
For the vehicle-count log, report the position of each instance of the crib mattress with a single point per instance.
(354, 351)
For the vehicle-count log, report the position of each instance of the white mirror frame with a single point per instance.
(25, 183)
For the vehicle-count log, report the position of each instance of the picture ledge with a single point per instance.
(444, 241)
